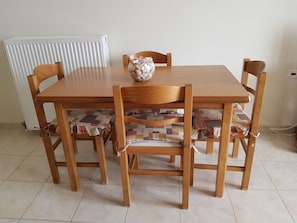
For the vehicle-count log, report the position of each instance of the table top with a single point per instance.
(211, 84)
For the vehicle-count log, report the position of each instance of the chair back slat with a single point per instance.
(254, 68)
(158, 58)
(40, 74)
(153, 94)
(159, 96)
(46, 71)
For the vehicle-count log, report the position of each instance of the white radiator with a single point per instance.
(26, 53)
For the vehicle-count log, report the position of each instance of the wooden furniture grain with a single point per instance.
(158, 58)
(213, 86)
(245, 127)
(155, 130)
(51, 138)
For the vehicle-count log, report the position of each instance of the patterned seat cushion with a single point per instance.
(207, 122)
(91, 122)
(172, 133)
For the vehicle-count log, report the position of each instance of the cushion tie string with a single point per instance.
(256, 136)
(194, 148)
(120, 151)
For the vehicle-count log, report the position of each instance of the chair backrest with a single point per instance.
(41, 73)
(254, 68)
(148, 97)
(158, 58)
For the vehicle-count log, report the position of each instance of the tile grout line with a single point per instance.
(85, 191)
(233, 209)
(26, 209)
(277, 191)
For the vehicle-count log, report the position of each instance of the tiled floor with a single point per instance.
(27, 193)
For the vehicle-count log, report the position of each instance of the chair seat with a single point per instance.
(165, 134)
(83, 121)
(207, 122)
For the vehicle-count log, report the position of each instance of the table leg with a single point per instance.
(223, 150)
(67, 146)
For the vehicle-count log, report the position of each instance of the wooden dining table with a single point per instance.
(214, 86)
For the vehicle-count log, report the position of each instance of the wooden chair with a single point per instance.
(146, 133)
(158, 58)
(245, 128)
(80, 125)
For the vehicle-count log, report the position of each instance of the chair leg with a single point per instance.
(137, 158)
(101, 158)
(209, 147)
(95, 144)
(51, 157)
(186, 177)
(125, 178)
(133, 161)
(248, 163)
(74, 143)
(192, 167)
(172, 159)
(113, 138)
(235, 148)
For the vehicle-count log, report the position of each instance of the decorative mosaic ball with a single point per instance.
(141, 68)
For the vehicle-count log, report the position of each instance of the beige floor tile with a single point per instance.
(282, 174)
(85, 174)
(101, 203)
(32, 169)
(23, 143)
(273, 147)
(9, 221)
(259, 206)
(259, 178)
(156, 162)
(15, 197)
(40, 221)
(205, 179)
(27, 194)
(205, 207)
(113, 170)
(154, 204)
(39, 150)
(6, 134)
(55, 202)
(290, 200)
(8, 164)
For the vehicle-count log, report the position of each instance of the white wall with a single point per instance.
(195, 31)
